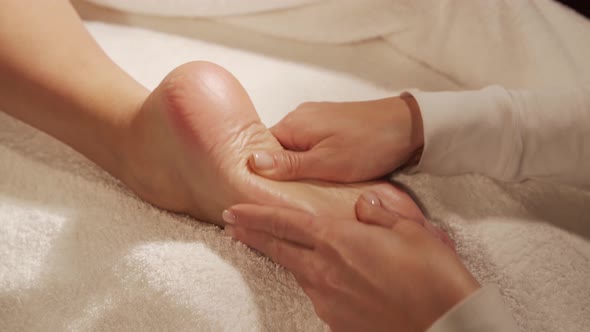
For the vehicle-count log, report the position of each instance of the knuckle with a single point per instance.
(292, 162)
(332, 280)
(276, 251)
(279, 227)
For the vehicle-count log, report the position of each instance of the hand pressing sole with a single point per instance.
(189, 150)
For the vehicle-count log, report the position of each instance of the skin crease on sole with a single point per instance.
(201, 111)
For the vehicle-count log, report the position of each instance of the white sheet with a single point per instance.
(79, 252)
(201, 8)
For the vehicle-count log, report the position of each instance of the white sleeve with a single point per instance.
(509, 135)
(483, 311)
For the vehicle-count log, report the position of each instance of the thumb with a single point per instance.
(370, 210)
(283, 165)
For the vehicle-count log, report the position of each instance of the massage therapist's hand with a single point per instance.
(381, 274)
(343, 142)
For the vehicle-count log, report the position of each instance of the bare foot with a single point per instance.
(190, 147)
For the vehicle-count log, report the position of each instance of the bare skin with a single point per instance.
(352, 274)
(320, 139)
(189, 149)
(182, 147)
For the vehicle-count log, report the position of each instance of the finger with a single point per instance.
(371, 205)
(370, 210)
(292, 135)
(285, 224)
(286, 165)
(402, 202)
(291, 256)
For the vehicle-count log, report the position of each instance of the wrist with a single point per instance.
(455, 291)
(452, 284)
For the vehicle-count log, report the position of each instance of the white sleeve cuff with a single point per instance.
(509, 135)
(469, 132)
(483, 311)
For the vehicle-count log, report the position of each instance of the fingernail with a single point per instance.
(228, 217)
(229, 231)
(372, 199)
(263, 160)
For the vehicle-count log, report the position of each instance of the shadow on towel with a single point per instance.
(529, 201)
(105, 272)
